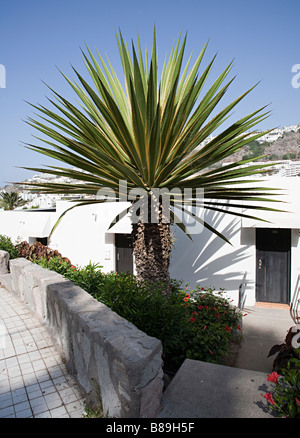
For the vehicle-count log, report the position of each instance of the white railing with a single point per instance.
(242, 290)
(295, 303)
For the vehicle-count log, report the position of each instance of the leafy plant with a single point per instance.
(7, 245)
(284, 400)
(213, 322)
(286, 350)
(36, 251)
(60, 265)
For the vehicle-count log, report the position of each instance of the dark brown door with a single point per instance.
(273, 253)
(124, 255)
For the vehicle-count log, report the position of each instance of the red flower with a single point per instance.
(297, 401)
(239, 327)
(204, 328)
(210, 352)
(192, 319)
(200, 307)
(186, 298)
(273, 377)
(195, 313)
(269, 397)
(217, 315)
(227, 329)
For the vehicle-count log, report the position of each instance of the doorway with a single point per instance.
(273, 260)
(124, 253)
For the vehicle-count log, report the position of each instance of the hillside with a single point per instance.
(286, 147)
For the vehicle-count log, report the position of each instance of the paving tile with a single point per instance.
(68, 395)
(35, 394)
(34, 381)
(39, 409)
(45, 414)
(14, 371)
(19, 396)
(6, 400)
(27, 368)
(47, 386)
(27, 413)
(32, 387)
(20, 349)
(9, 410)
(53, 401)
(42, 375)
(24, 406)
(75, 407)
(23, 359)
(38, 365)
(11, 362)
(58, 412)
(16, 382)
(37, 401)
(38, 405)
(34, 355)
(9, 416)
(30, 379)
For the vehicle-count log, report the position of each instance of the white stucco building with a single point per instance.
(268, 252)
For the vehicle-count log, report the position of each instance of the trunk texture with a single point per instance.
(152, 245)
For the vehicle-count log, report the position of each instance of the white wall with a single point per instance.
(208, 260)
(20, 225)
(83, 234)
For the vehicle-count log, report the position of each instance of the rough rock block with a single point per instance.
(4, 259)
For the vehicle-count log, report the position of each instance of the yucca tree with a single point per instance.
(147, 133)
(11, 200)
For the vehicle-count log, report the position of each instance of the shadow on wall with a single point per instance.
(208, 260)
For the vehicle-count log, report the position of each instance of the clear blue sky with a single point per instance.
(37, 36)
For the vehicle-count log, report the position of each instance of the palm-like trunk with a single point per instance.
(152, 244)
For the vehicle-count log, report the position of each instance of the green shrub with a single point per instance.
(7, 245)
(198, 325)
(284, 400)
(213, 323)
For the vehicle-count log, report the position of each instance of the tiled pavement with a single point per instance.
(34, 382)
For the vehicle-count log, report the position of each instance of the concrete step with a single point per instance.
(204, 390)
